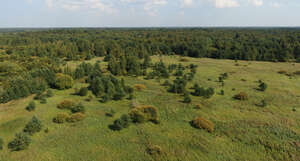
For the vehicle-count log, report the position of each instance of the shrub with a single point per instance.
(110, 113)
(222, 92)
(263, 86)
(202, 123)
(49, 93)
(207, 93)
(139, 87)
(241, 96)
(90, 98)
(184, 59)
(76, 117)
(43, 101)
(144, 113)
(60, 118)
(154, 150)
(66, 104)
(282, 72)
(187, 98)
(63, 81)
(166, 83)
(1, 143)
(78, 108)
(20, 142)
(121, 123)
(198, 106)
(34, 126)
(30, 106)
(83, 91)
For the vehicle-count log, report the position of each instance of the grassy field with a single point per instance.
(243, 131)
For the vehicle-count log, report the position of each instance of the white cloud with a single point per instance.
(149, 6)
(29, 1)
(187, 3)
(225, 3)
(73, 5)
(256, 2)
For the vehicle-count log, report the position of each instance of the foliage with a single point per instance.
(60, 118)
(63, 81)
(154, 150)
(144, 113)
(121, 123)
(200, 91)
(49, 93)
(75, 117)
(30, 106)
(187, 98)
(66, 104)
(202, 123)
(78, 108)
(83, 91)
(1, 144)
(178, 85)
(139, 87)
(20, 142)
(241, 96)
(34, 126)
(263, 86)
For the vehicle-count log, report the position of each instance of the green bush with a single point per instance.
(121, 123)
(49, 93)
(144, 113)
(187, 98)
(78, 108)
(202, 123)
(20, 142)
(34, 126)
(1, 143)
(31, 106)
(76, 117)
(111, 113)
(66, 104)
(63, 81)
(60, 118)
(263, 86)
(83, 91)
(43, 101)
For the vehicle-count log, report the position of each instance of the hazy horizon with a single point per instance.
(148, 13)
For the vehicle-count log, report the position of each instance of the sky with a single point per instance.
(148, 13)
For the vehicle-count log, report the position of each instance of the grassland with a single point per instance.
(243, 131)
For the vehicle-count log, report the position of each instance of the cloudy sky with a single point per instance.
(148, 13)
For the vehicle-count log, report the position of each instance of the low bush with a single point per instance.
(20, 142)
(34, 126)
(1, 143)
(202, 123)
(110, 113)
(83, 91)
(198, 106)
(78, 108)
(43, 101)
(63, 81)
(241, 96)
(184, 59)
(49, 93)
(187, 98)
(263, 86)
(139, 87)
(66, 104)
(154, 150)
(144, 113)
(75, 117)
(282, 72)
(60, 118)
(122, 122)
(30, 106)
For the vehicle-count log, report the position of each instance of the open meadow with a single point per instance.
(264, 126)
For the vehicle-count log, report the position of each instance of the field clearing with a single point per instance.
(243, 131)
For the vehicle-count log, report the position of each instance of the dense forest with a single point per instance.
(30, 61)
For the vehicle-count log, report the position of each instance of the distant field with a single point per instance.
(243, 130)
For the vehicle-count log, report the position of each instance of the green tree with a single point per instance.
(20, 142)
(63, 81)
(34, 126)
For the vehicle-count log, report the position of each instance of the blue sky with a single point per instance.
(148, 13)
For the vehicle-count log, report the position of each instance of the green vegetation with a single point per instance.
(143, 91)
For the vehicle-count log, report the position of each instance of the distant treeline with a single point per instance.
(222, 43)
